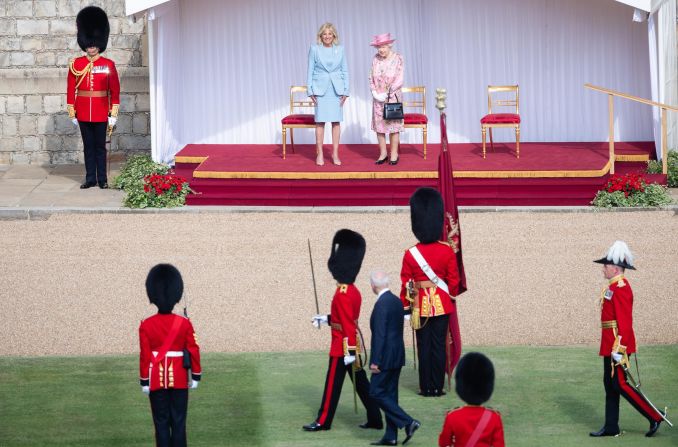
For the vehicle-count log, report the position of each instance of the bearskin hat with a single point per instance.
(618, 254)
(427, 215)
(474, 378)
(346, 257)
(164, 287)
(93, 28)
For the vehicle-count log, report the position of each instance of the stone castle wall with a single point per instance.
(37, 40)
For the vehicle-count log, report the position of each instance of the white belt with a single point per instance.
(170, 354)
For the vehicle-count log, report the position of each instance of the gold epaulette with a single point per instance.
(621, 283)
(343, 288)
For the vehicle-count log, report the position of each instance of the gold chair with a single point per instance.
(492, 120)
(297, 120)
(416, 120)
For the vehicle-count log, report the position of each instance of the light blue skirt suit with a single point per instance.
(328, 81)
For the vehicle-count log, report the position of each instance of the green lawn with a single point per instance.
(547, 396)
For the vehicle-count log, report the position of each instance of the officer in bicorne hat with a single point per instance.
(167, 341)
(473, 424)
(429, 273)
(618, 341)
(346, 258)
(93, 93)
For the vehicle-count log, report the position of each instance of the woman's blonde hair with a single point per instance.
(328, 26)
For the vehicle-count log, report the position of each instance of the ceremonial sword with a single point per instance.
(109, 142)
(315, 291)
(635, 385)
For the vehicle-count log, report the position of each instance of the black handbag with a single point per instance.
(393, 110)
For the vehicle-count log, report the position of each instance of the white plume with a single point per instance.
(619, 252)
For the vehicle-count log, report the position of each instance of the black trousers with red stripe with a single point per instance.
(336, 372)
(616, 386)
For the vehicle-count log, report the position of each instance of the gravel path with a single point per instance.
(73, 284)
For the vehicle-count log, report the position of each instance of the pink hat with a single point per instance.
(382, 39)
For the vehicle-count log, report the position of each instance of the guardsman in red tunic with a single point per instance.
(618, 341)
(93, 93)
(430, 268)
(348, 251)
(168, 349)
(473, 425)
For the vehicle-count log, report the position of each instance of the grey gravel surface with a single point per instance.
(73, 284)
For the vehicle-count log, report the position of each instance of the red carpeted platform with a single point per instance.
(545, 174)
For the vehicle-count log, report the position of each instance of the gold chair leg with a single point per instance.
(425, 133)
(284, 138)
(292, 139)
(483, 130)
(517, 141)
(491, 141)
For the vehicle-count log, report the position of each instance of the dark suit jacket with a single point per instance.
(386, 324)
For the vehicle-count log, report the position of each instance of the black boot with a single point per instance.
(603, 432)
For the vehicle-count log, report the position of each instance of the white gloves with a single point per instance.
(75, 122)
(380, 97)
(319, 320)
(146, 390)
(194, 384)
(348, 359)
(408, 317)
(616, 357)
(112, 120)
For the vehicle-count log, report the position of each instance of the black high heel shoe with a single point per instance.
(394, 162)
(381, 161)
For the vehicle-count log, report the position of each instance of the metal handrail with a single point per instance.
(610, 100)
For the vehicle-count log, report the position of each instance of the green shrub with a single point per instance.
(135, 169)
(651, 195)
(655, 167)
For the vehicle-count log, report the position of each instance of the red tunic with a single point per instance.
(169, 372)
(461, 423)
(618, 307)
(344, 315)
(442, 259)
(102, 80)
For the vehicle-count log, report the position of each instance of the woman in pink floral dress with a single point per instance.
(386, 82)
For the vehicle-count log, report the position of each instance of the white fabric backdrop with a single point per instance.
(223, 68)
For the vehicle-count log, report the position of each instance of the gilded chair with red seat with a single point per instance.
(507, 120)
(416, 120)
(296, 120)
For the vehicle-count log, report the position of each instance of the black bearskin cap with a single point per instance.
(164, 287)
(93, 28)
(346, 257)
(427, 215)
(474, 378)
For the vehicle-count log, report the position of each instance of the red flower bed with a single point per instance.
(628, 183)
(162, 184)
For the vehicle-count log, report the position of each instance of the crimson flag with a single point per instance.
(451, 234)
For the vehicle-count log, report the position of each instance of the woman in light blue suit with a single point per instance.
(327, 85)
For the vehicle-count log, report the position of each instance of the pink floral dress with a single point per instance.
(386, 75)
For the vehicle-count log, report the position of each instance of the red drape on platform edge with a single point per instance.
(452, 234)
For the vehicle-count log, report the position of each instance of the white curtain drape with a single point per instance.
(223, 68)
(668, 83)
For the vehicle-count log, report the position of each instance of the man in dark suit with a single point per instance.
(387, 359)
